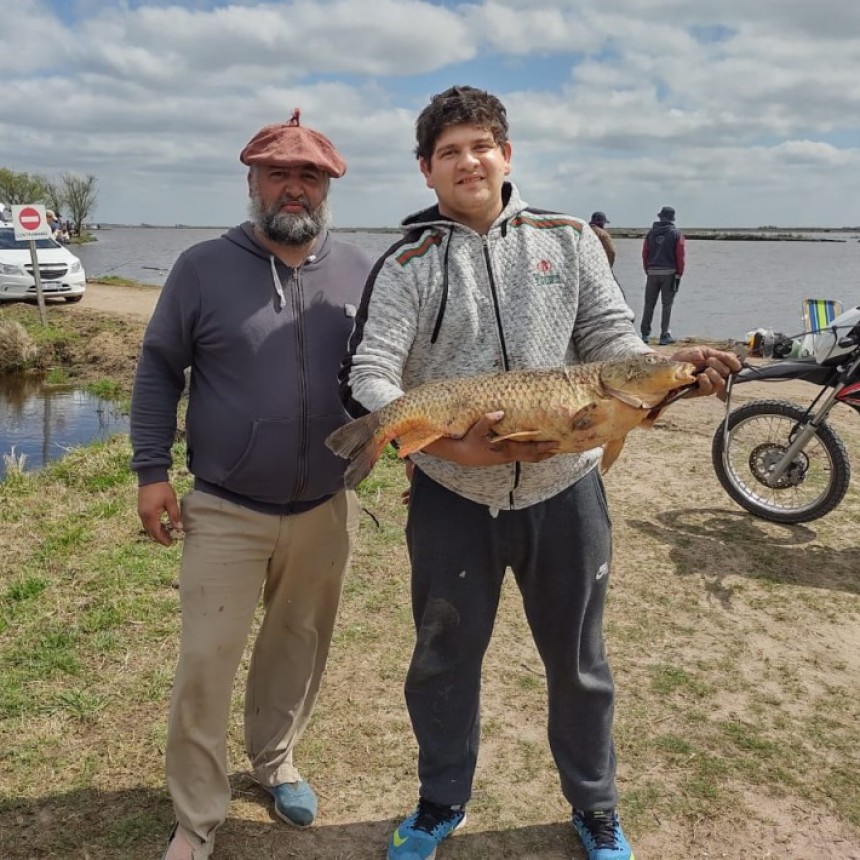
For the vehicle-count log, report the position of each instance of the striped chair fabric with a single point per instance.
(819, 313)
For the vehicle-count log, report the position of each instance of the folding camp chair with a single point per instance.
(818, 314)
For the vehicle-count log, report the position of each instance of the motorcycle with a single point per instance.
(781, 461)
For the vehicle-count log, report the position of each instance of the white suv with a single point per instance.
(61, 271)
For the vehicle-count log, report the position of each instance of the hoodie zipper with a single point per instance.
(297, 297)
(486, 245)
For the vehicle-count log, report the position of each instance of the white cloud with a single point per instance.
(620, 105)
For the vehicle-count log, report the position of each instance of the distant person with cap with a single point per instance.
(598, 223)
(262, 316)
(663, 260)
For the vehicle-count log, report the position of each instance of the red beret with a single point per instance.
(288, 143)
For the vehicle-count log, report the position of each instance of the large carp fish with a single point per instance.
(580, 406)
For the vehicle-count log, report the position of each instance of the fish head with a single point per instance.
(646, 378)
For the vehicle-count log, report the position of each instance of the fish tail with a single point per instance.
(359, 442)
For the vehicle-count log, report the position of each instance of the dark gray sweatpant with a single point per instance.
(560, 553)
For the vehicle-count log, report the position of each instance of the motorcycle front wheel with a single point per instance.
(757, 436)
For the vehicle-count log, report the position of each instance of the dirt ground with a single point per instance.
(763, 619)
(125, 301)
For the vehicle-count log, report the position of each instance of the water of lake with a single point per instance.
(41, 423)
(730, 286)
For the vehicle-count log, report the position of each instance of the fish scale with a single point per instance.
(579, 407)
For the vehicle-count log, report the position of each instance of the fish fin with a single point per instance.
(414, 440)
(358, 442)
(520, 436)
(611, 450)
(632, 400)
(652, 417)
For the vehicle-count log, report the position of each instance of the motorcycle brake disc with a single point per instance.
(765, 456)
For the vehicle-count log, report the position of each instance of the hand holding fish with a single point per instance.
(481, 446)
(713, 368)
(521, 415)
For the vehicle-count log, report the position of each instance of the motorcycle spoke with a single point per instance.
(805, 484)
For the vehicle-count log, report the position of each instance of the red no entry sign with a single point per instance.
(30, 221)
(29, 218)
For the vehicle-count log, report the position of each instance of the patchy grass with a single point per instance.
(735, 646)
(80, 346)
(117, 281)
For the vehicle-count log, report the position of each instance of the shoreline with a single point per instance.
(136, 301)
(725, 234)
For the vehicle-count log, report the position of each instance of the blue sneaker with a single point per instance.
(295, 802)
(601, 834)
(666, 339)
(418, 835)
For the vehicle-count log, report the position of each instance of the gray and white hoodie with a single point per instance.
(535, 292)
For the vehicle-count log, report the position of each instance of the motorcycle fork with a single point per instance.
(805, 432)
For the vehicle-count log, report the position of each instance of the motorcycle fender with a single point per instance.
(807, 370)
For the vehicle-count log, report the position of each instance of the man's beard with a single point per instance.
(289, 228)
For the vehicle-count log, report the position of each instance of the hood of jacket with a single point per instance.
(512, 204)
(246, 238)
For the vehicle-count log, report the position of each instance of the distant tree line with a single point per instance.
(70, 195)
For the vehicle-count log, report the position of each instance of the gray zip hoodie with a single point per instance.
(535, 292)
(264, 343)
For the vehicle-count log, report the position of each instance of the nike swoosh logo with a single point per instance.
(397, 839)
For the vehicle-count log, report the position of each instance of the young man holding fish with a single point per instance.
(482, 283)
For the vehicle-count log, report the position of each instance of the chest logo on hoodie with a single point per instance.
(544, 275)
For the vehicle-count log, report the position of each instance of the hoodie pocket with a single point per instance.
(275, 468)
(268, 468)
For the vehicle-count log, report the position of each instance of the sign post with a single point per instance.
(31, 222)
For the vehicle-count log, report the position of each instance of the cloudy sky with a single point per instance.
(739, 113)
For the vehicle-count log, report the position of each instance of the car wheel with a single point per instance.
(72, 298)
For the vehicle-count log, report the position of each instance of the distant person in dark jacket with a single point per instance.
(262, 316)
(663, 261)
(598, 223)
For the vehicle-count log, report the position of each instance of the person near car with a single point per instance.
(598, 222)
(663, 258)
(482, 282)
(56, 225)
(261, 316)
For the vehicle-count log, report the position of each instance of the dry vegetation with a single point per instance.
(735, 645)
(16, 346)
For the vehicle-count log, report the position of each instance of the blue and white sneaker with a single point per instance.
(601, 834)
(418, 835)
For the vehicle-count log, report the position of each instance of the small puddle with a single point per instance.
(42, 422)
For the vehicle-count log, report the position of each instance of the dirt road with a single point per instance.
(127, 301)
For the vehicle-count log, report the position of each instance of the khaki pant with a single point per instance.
(230, 555)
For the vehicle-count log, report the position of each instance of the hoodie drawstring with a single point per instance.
(279, 287)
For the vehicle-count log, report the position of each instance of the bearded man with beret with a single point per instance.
(261, 316)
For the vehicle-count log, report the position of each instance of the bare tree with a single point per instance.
(80, 195)
(18, 188)
(53, 194)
